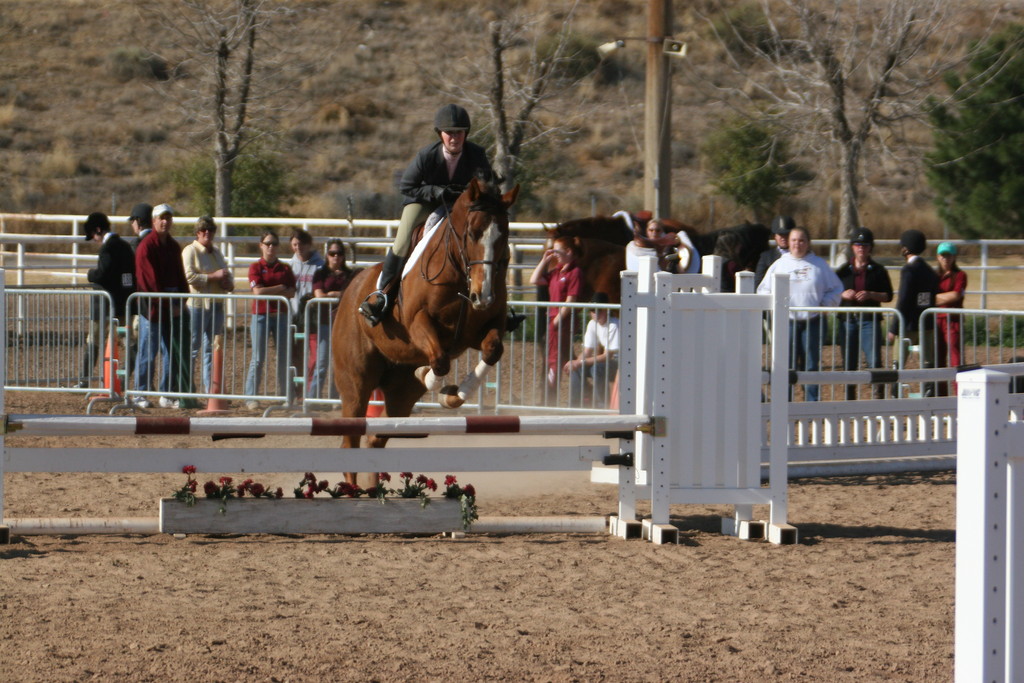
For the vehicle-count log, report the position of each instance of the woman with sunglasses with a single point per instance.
(329, 282)
(207, 272)
(269, 277)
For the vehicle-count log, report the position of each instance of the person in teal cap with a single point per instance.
(952, 287)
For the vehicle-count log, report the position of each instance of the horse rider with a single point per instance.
(435, 178)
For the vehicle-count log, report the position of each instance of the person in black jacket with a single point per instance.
(866, 284)
(115, 273)
(781, 225)
(435, 178)
(919, 284)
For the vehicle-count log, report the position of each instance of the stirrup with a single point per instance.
(374, 310)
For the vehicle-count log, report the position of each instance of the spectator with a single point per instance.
(781, 225)
(207, 273)
(952, 288)
(866, 284)
(558, 270)
(598, 360)
(305, 262)
(328, 283)
(115, 273)
(269, 277)
(918, 286)
(435, 178)
(811, 283)
(640, 247)
(159, 269)
(141, 222)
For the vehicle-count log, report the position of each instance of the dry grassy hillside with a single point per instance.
(78, 134)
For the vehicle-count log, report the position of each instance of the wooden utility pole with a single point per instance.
(658, 112)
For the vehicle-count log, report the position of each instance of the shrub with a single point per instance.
(262, 184)
(126, 63)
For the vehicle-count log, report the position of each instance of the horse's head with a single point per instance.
(484, 213)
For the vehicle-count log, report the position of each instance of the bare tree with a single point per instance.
(529, 67)
(836, 75)
(220, 40)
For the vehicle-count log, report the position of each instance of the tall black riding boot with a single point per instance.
(379, 303)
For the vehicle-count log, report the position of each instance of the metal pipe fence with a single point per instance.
(367, 239)
(190, 348)
(59, 340)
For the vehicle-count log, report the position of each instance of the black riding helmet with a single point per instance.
(96, 223)
(913, 241)
(451, 117)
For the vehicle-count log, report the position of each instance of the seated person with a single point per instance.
(597, 360)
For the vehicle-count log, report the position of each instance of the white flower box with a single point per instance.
(311, 516)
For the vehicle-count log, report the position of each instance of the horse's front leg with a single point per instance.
(424, 337)
(491, 350)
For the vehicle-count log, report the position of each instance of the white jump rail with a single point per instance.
(989, 533)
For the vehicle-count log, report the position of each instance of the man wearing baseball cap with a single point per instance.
(781, 225)
(919, 284)
(159, 268)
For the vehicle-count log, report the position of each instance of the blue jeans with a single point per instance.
(599, 373)
(150, 342)
(262, 327)
(323, 363)
(861, 333)
(805, 349)
(206, 324)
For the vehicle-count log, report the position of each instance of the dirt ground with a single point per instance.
(866, 596)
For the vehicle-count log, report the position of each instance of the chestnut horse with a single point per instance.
(600, 243)
(453, 299)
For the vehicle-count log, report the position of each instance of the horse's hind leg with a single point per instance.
(401, 392)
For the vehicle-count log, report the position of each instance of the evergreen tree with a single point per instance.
(977, 166)
(750, 163)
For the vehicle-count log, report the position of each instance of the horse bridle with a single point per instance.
(463, 264)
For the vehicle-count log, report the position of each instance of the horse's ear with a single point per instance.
(474, 189)
(509, 198)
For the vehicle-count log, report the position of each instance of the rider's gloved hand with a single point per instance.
(452, 193)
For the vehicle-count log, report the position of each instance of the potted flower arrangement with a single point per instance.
(230, 507)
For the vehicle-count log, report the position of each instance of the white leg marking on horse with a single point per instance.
(432, 382)
(473, 379)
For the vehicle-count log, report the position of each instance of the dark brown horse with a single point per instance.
(600, 243)
(453, 299)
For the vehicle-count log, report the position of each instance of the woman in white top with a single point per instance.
(811, 283)
(207, 272)
(689, 257)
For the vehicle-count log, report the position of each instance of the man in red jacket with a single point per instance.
(159, 269)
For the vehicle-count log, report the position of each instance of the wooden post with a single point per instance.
(657, 113)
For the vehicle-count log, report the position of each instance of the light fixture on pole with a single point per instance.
(606, 49)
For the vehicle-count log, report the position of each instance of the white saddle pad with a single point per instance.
(429, 228)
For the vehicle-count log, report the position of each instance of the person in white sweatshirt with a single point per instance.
(811, 283)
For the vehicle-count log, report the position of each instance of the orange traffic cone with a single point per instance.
(372, 410)
(110, 364)
(216, 406)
